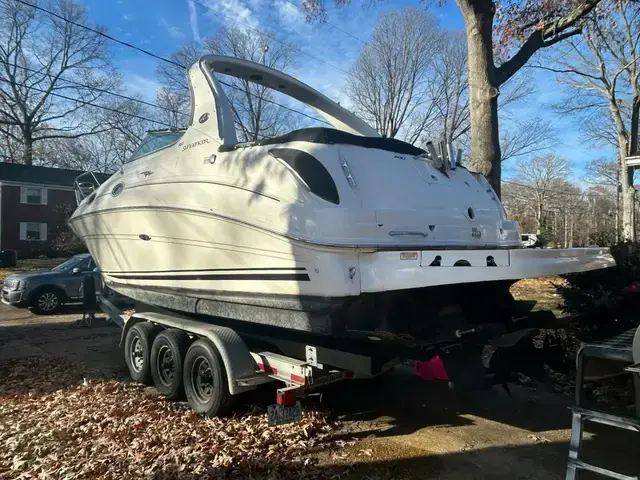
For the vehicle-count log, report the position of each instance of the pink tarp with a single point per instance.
(431, 369)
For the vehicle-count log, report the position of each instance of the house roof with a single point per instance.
(16, 172)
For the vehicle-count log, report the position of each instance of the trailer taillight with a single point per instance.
(287, 399)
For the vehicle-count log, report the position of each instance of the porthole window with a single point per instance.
(117, 190)
(310, 171)
(470, 213)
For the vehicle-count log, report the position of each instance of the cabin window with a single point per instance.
(155, 141)
(310, 171)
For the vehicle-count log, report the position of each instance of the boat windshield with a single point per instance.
(155, 141)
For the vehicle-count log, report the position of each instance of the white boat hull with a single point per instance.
(320, 230)
(192, 250)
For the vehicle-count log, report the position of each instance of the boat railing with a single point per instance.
(84, 185)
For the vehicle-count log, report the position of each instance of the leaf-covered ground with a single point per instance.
(55, 423)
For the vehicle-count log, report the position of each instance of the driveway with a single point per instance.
(393, 427)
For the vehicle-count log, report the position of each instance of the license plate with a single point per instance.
(279, 414)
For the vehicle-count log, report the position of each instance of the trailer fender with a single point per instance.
(235, 355)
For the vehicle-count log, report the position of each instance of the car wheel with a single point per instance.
(46, 301)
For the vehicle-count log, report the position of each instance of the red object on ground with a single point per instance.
(632, 288)
(431, 369)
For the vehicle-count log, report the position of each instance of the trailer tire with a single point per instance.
(205, 380)
(137, 350)
(167, 358)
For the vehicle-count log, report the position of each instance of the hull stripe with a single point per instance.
(295, 277)
(288, 269)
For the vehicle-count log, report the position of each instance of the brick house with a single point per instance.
(34, 205)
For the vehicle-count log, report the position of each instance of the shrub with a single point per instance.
(65, 242)
(602, 300)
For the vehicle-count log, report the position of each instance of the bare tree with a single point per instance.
(604, 78)
(543, 179)
(420, 100)
(449, 90)
(173, 76)
(604, 177)
(174, 107)
(255, 114)
(527, 138)
(603, 172)
(521, 29)
(126, 129)
(10, 147)
(389, 82)
(256, 117)
(43, 60)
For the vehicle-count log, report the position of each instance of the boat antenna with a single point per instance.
(264, 53)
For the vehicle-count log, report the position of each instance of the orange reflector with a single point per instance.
(408, 255)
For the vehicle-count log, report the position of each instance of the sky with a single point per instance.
(325, 53)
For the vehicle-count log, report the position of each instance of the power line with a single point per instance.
(293, 47)
(98, 32)
(97, 89)
(317, 119)
(84, 102)
(176, 64)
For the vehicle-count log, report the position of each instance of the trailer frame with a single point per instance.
(247, 368)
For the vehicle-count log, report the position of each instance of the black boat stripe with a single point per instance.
(302, 277)
(288, 269)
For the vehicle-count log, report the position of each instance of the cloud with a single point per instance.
(232, 10)
(127, 17)
(193, 20)
(173, 31)
(144, 87)
(289, 14)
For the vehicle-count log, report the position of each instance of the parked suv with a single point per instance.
(47, 291)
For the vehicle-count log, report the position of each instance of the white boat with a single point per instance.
(333, 231)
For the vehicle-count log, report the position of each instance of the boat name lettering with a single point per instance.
(195, 144)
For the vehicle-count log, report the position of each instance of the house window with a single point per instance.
(33, 231)
(33, 195)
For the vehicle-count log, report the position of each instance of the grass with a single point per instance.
(541, 290)
(31, 265)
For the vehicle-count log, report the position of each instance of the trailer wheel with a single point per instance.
(167, 357)
(137, 348)
(205, 379)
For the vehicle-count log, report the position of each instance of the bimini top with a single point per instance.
(209, 100)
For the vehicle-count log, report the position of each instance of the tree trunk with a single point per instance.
(539, 219)
(483, 90)
(626, 174)
(628, 197)
(618, 210)
(27, 155)
(570, 232)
